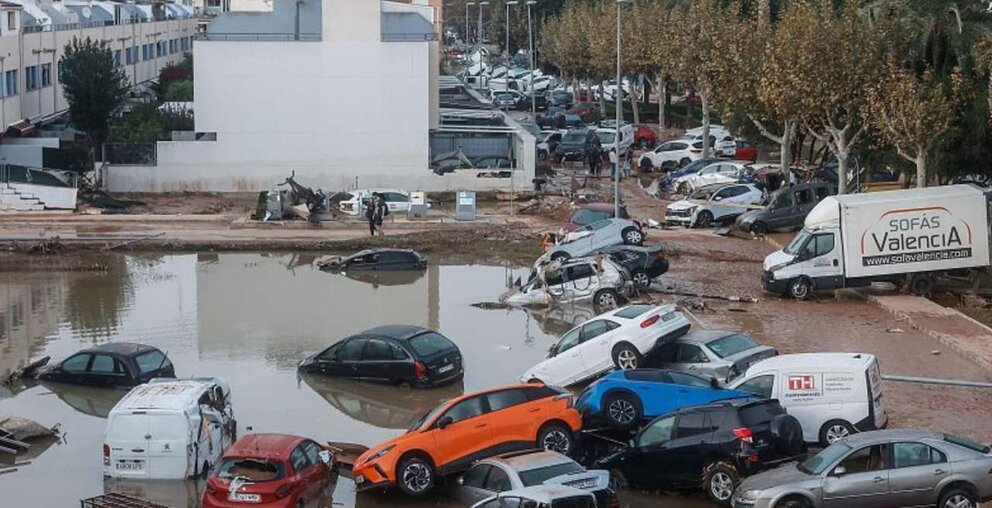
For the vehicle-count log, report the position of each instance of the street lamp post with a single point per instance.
(478, 32)
(619, 118)
(467, 4)
(506, 77)
(530, 37)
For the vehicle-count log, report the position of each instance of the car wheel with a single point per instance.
(682, 188)
(618, 481)
(560, 255)
(835, 430)
(626, 356)
(622, 410)
(793, 503)
(415, 476)
(668, 166)
(646, 165)
(719, 480)
(957, 498)
(759, 228)
(922, 284)
(632, 236)
(800, 288)
(555, 437)
(704, 219)
(606, 299)
(641, 278)
(683, 162)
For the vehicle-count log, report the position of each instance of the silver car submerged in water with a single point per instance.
(882, 468)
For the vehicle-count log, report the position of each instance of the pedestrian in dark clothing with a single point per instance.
(594, 153)
(375, 210)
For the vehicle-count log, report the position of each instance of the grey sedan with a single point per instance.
(514, 471)
(595, 236)
(720, 354)
(883, 468)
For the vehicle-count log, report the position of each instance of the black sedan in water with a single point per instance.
(414, 355)
(112, 365)
(375, 259)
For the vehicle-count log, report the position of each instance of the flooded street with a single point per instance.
(249, 318)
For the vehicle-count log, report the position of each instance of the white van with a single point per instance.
(169, 429)
(831, 394)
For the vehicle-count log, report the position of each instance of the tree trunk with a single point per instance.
(842, 152)
(602, 100)
(785, 154)
(663, 99)
(633, 103)
(921, 168)
(990, 100)
(706, 124)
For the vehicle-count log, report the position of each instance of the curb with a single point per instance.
(946, 340)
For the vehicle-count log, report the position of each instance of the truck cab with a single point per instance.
(811, 260)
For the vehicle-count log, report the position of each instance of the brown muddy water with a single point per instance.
(250, 318)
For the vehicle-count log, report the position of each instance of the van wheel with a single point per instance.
(606, 299)
(719, 481)
(957, 498)
(834, 431)
(626, 356)
(800, 288)
(759, 228)
(922, 285)
(416, 476)
(555, 437)
(622, 410)
(704, 219)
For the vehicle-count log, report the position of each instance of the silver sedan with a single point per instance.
(719, 354)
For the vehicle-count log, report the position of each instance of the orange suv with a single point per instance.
(471, 427)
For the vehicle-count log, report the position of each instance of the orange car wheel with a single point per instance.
(415, 476)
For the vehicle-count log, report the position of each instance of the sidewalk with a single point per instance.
(951, 328)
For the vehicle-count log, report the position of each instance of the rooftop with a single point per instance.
(168, 395)
(121, 348)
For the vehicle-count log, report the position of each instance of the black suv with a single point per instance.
(709, 446)
(644, 263)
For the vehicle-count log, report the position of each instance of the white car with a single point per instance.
(671, 155)
(576, 280)
(617, 339)
(718, 172)
(713, 203)
(398, 201)
(608, 136)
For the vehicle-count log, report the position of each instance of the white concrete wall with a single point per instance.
(54, 198)
(22, 50)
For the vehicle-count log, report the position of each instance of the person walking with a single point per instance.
(375, 210)
(614, 163)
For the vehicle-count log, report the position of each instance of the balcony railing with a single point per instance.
(60, 27)
(408, 37)
(259, 37)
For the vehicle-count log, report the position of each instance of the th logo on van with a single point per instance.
(801, 383)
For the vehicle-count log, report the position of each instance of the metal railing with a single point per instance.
(408, 37)
(60, 27)
(259, 37)
(14, 173)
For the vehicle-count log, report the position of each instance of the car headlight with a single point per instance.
(692, 210)
(379, 454)
(775, 268)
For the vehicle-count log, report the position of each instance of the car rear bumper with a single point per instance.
(434, 382)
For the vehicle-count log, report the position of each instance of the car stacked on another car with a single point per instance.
(600, 281)
(713, 203)
(720, 354)
(618, 339)
(542, 496)
(644, 263)
(514, 471)
(708, 446)
(449, 438)
(375, 260)
(593, 237)
(721, 172)
(414, 355)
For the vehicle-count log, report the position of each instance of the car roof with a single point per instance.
(264, 445)
(818, 361)
(602, 207)
(381, 250)
(454, 400)
(734, 402)
(658, 308)
(398, 332)
(121, 348)
(704, 336)
(526, 461)
(881, 436)
(165, 395)
(546, 493)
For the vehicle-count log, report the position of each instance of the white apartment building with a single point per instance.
(343, 92)
(33, 35)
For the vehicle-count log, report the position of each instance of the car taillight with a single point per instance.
(283, 491)
(106, 455)
(420, 370)
(744, 434)
(567, 397)
(211, 488)
(650, 321)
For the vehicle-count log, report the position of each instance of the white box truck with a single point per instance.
(906, 237)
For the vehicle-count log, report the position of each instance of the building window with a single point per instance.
(160, 48)
(146, 51)
(117, 58)
(11, 21)
(10, 83)
(31, 77)
(46, 74)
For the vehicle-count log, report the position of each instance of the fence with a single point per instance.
(409, 37)
(13, 173)
(258, 37)
(131, 154)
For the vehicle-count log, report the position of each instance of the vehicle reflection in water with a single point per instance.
(86, 399)
(559, 319)
(376, 278)
(171, 493)
(382, 405)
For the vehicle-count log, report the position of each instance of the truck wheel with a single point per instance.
(922, 285)
(759, 228)
(800, 288)
(719, 481)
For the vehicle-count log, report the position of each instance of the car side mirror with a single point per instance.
(460, 481)
(839, 471)
(444, 422)
(714, 383)
(718, 198)
(325, 456)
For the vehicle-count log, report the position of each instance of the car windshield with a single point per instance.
(585, 216)
(819, 463)
(151, 361)
(702, 194)
(428, 416)
(574, 137)
(430, 344)
(797, 242)
(252, 470)
(541, 475)
(606, 137)
(731, 345)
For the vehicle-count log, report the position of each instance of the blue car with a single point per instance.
(625, 397)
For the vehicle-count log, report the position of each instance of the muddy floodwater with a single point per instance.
(249, 318)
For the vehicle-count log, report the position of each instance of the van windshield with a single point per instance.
(798, 242)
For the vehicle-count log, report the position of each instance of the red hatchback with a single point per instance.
(274, 470)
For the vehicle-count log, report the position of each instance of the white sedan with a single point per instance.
(718, 172)
(396, 200)
(713, 203)
(617, 339)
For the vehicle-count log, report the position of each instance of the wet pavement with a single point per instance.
(249, 318)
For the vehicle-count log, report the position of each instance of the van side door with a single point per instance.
(822, 251)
